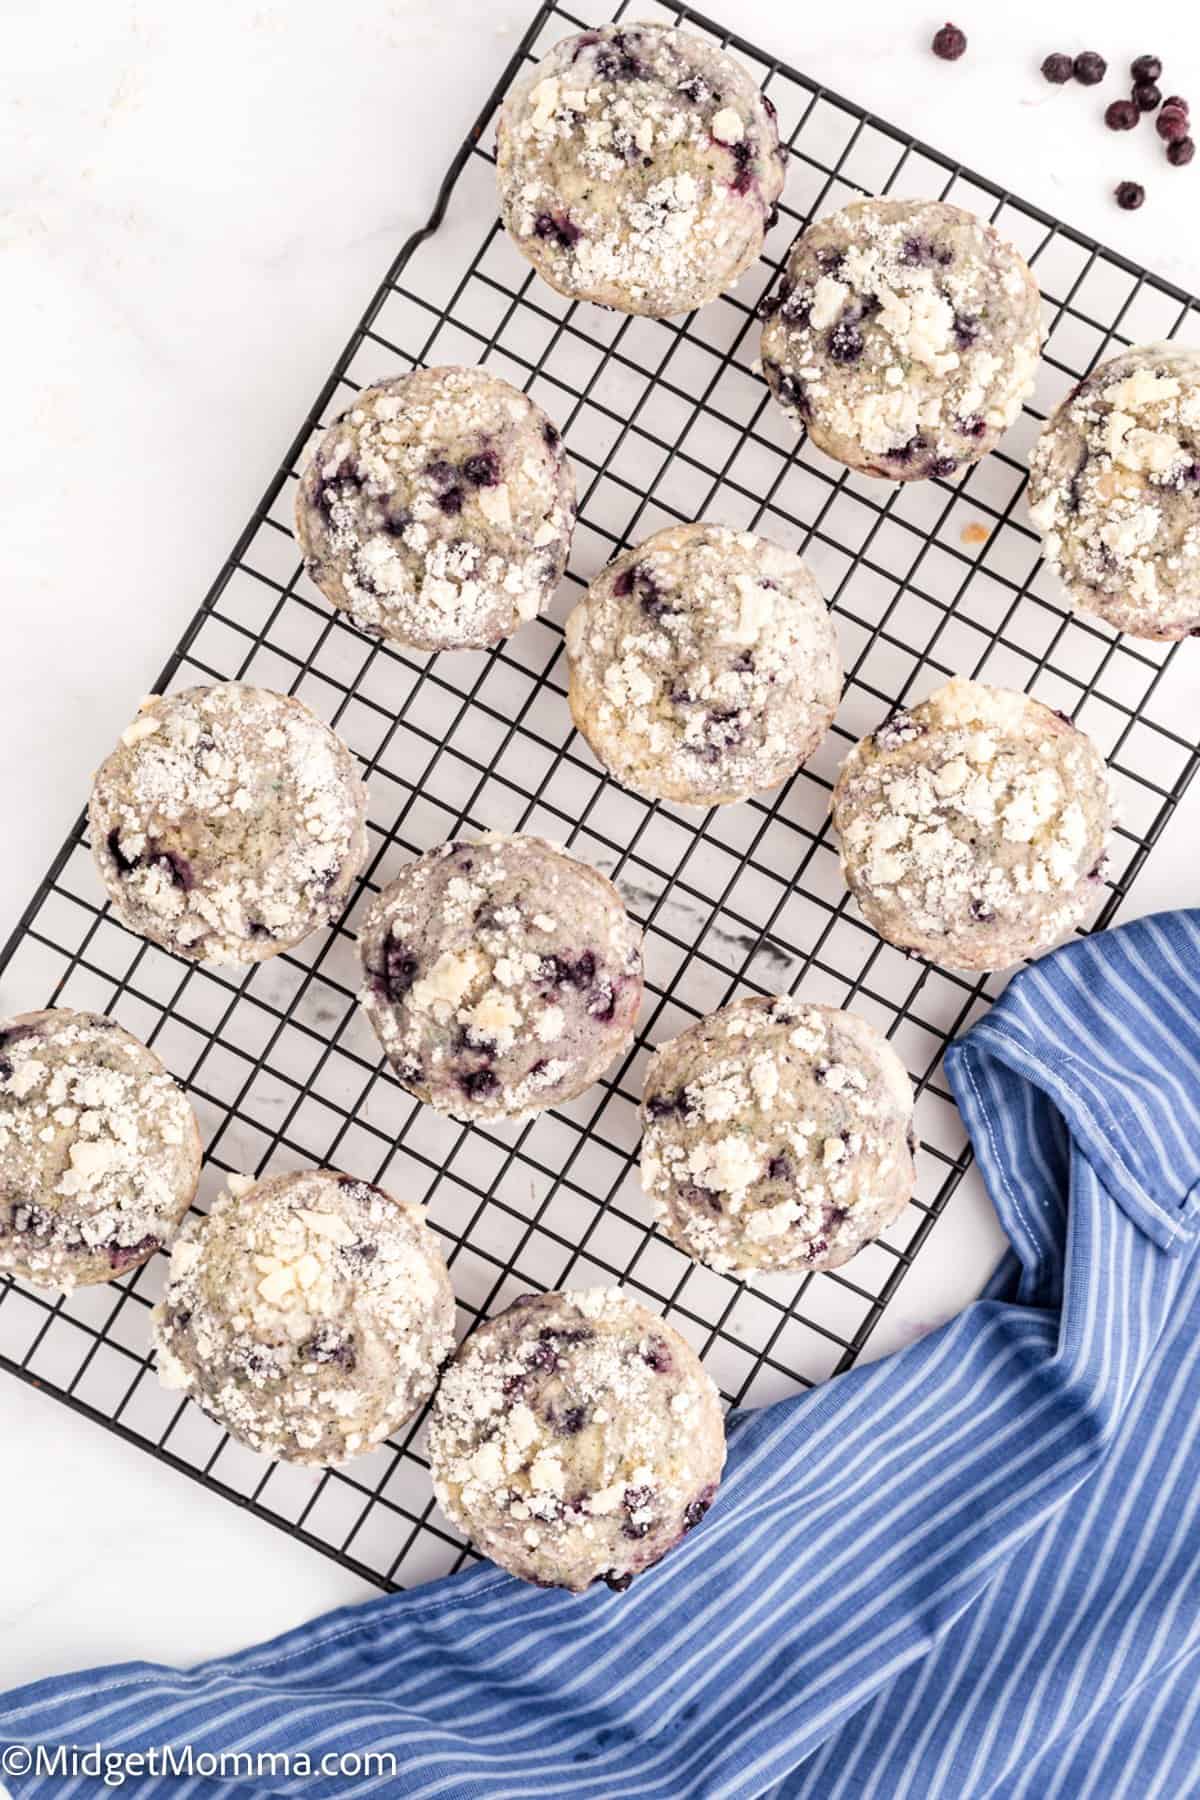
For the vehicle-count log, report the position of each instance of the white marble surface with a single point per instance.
(194, 204)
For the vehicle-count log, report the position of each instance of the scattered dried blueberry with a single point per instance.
(1130, 195)
(778, 1169)
(1172, 124)
(1146, 96)
(478, 1084)
(1178, 101)
(1058, 68)
(1121, 115)
(1089, 68)
(451, 501)
(1181, 152)
(949, 43)
(1145, 68)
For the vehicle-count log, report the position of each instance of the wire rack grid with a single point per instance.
(665, 421)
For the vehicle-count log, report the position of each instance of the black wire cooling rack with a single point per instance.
(665, 422)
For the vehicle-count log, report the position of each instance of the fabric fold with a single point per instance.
(966, 1571)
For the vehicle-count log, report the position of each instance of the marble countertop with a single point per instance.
(196, 202)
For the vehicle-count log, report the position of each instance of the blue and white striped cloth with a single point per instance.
(971, 1570)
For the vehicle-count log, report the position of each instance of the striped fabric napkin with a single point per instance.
(971, 1570)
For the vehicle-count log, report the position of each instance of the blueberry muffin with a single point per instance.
(974, 827)
(99, 1149)
(904, 336)
(437, 510)
(704, 666)
(776, 1136)
(638, 167)
(228, 823)
(308, 1314)
(1114, 488)
(502, 976)
(576, 1438)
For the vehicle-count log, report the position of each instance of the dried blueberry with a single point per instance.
(779, 1169)
(966, 330)
(660, 1106)
(482, 470)
(451, 501)
(478, 1083)
(1171, 124)
(1180, 152)
(656, 1356)
(949, 43)
(1058, 68)
(1089, 68)
(565, 233)
(981, 912)
(615, 61)
(358, 1255)
(900, 728)
(178, 868)
(1130, 195)
(618, 1583)
(399, 970)
(31, 1221)
(551, 435)
(329, 1345)
(1145, 68)
(571, 1420)
(845, 342)
(125, 864)
(695, 1195)
(695, 1512)
(602, 1003)
(123, 1256)
(1121, 115)
(1146, 96)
